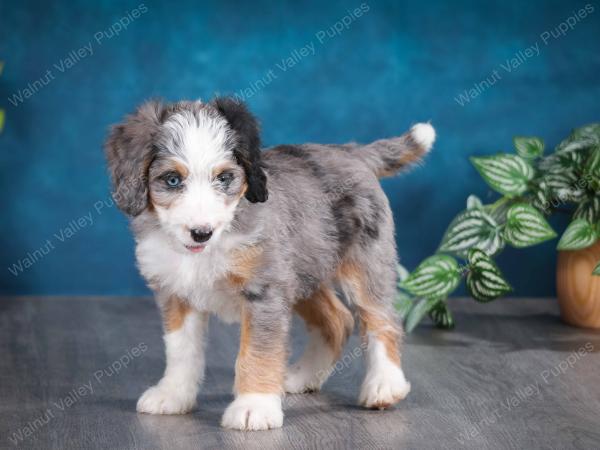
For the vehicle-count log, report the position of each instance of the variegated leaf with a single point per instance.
(592, 165)
(485, 281)
(589, 210)
(417, 312)
(581, 138)
(558, 162)
(542, 197)
(526, 226)
(564, 185)
(529, 147)
(507, 174)
(473, 202)
(597, 269)
(579, 234)
(472, 228)
(435, 277)
(563, 180)
(441, 316)
(498, 210)
(403, 304)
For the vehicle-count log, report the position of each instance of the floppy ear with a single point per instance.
(129, 149)
(247, 150)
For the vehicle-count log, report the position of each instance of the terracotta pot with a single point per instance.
(578, 290)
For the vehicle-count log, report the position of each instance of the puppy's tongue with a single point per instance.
(196, 249)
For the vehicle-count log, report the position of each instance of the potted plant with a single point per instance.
(532, 186)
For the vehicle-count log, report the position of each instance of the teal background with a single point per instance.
(399, 63)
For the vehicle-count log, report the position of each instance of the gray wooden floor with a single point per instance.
(510, 376)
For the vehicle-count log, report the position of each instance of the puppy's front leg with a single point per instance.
(184, 329)
(260, 367)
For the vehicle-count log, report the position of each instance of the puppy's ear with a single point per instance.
(129, 149)
(247, 150)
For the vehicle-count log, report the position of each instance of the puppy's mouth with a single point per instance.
(195, 248)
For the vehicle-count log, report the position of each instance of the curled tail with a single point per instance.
(388, 156)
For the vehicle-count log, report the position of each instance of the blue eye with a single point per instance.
(225, 177)
(173, 180)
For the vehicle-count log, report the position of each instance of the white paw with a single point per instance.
(423, 134)
(384, 388)
(163, 399)
(251, 412)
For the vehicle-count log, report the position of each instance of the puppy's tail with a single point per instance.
(387, 157)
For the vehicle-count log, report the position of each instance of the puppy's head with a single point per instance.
(190, 164)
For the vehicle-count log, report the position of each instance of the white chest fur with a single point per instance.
(199, 278)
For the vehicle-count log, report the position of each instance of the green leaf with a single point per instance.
(529, 147)
(485, 281)
(592, 165)
(473, 202)
(498, 211)
(558, 162)
(526, 226)
(580, 138)
(417, 312)
(579, 234)
(589, 210)
(472, 228)
(1, 119)
(403, 303)
(507, 174)
(597, 269)
(563, 180)
(542, 198)
(441, 316)
(435, 277)
(563, 185)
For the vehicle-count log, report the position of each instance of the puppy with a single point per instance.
(252, 236)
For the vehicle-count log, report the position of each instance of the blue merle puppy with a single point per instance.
(253, 236)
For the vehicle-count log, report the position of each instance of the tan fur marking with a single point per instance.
(160, 197)
(406, 159)
(372, 317)
(325, 311)
(174, 313)
(181, 168)
(243, 190)
(222, 168)
(258, 370)
(239, 196)
(243, 264)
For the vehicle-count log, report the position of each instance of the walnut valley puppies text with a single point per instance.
(70, 229)
(77, 394)
(75, 55)
(308, 49)
(523, 55)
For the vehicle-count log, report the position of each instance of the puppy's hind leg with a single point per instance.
(329, 323)
(371, 289)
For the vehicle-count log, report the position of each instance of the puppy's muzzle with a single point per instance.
(201, 234)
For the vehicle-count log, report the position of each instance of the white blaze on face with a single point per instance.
(201, 145)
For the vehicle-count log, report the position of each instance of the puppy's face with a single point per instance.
(195, 182)
(190, 164)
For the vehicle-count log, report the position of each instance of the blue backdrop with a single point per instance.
(322, 72)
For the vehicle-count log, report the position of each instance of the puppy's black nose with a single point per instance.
(201, 234)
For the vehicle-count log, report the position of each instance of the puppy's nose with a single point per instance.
(201, 234)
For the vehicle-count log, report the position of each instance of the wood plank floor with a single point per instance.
(511, 375)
